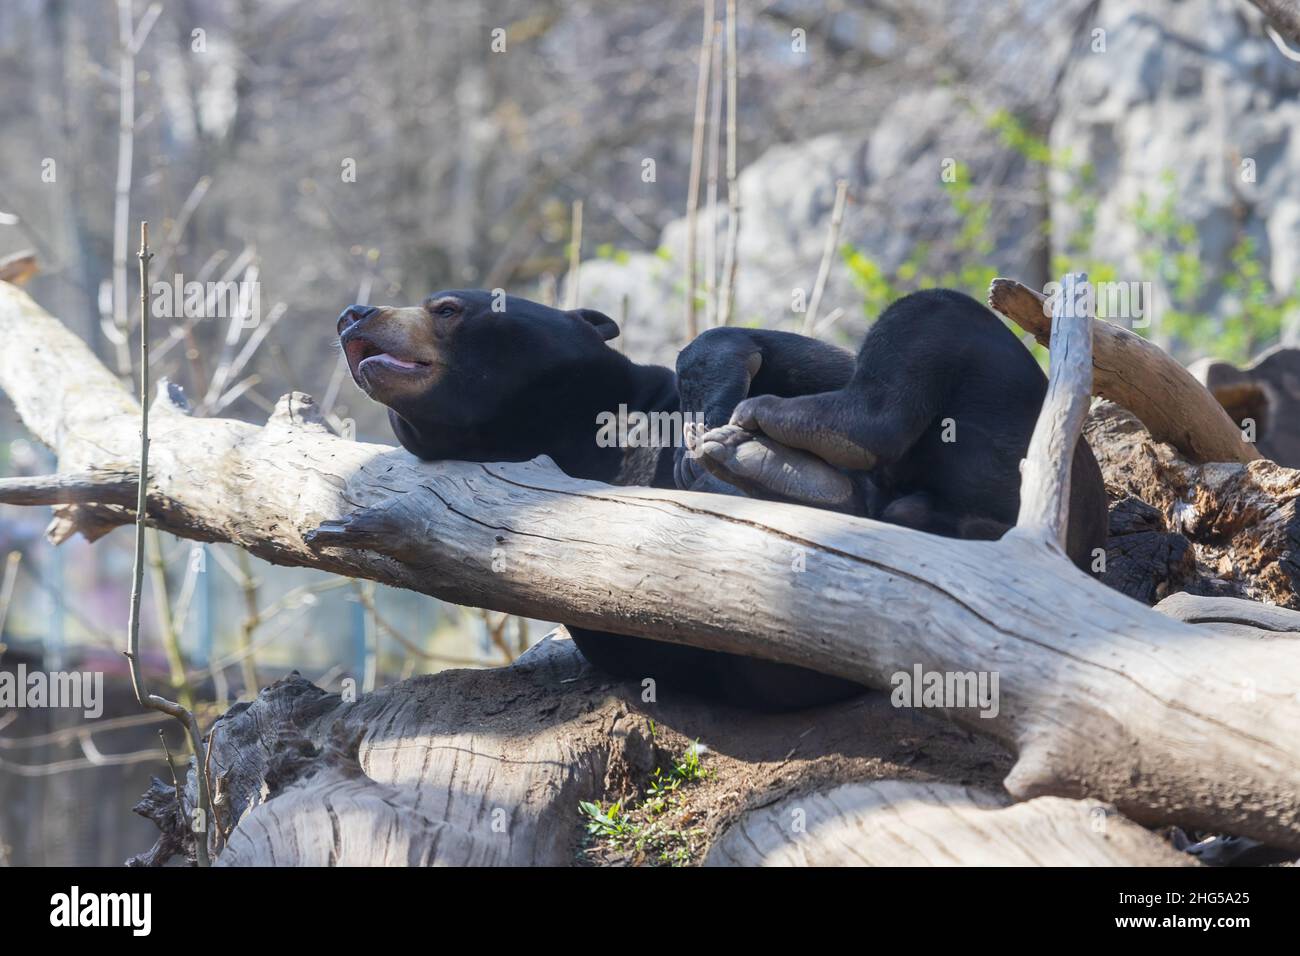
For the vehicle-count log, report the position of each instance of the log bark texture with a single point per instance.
(1100, 696)
(893, 823)
(1239, 521)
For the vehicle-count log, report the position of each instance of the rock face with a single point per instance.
(1194, 89)
(896, 200)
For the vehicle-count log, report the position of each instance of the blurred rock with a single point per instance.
(896, 199)
(1195, 88)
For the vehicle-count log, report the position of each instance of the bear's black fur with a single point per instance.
(473, 376)
(466, 382)
(930, 426)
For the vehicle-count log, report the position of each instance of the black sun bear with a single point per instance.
(476, 376)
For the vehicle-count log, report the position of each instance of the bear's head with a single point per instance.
(474, 372)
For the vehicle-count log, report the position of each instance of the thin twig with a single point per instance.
(410, 645)
(497, 634)
(727, 304)
(176, 783)
(147, 700)
(182, 220)
(697, 162)
(248, 626)
(828, 254)
(715, 138)
(166, 623)
(575, 257)
(116, 329)
(624, 311)
(546, 289)
(370, 637)
(7, 588)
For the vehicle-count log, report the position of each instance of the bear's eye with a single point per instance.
(446, 309)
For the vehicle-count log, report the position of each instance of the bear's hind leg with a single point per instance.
(842, 427)
(763, 468)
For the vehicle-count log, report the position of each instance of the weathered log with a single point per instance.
(1241, 519)
(1142, 377)
(1264, 621)
(1100, 697)
(893, 823)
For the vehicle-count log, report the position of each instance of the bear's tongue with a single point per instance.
(389, 359)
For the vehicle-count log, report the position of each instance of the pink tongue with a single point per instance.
(393, 360)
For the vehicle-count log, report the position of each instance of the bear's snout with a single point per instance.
(354, 314)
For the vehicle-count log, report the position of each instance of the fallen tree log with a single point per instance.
(892, 823)
(1100, 697)
(1233, 615)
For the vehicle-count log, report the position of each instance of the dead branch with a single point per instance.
(828, 254)
(1045, 478)
(697, 163)
(1139, 375)
(731, 253)
(183, 714)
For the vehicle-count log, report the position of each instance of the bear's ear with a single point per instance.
(599, 321)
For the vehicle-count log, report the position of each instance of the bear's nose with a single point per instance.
(353, 314)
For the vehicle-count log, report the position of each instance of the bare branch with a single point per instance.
(132, 653)
(1045, 472)
(1136, 373)
(727, 304)
(828, 254)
